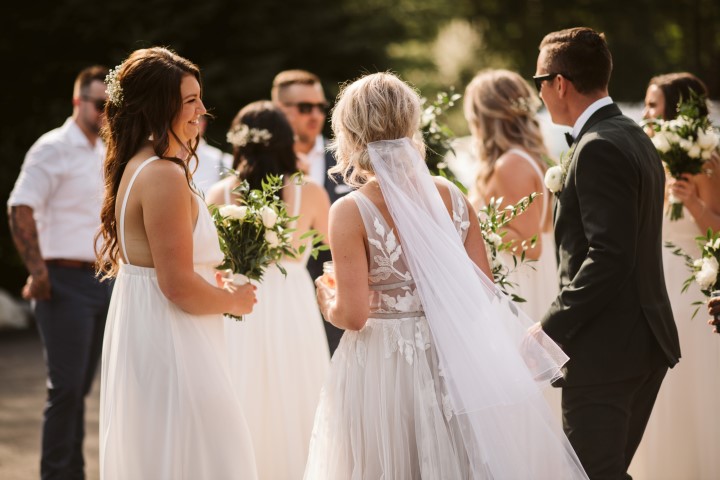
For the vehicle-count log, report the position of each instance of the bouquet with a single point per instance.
(492, 219)
(684, 144)
(257, 234)
(704, 270)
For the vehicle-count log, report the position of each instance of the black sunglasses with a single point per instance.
(98, 103)
(306, 107)
(539, 79)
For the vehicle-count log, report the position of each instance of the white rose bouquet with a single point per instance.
(684, 144)
(492, 219)
(704, 270)
(257, 234)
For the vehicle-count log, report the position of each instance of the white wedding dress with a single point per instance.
(167, 406)
(389, 408)
(683, 434)
(279, 358)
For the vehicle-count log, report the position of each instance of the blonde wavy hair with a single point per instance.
(375, 107)
(500, 108)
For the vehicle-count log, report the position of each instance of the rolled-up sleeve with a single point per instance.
(39, 176)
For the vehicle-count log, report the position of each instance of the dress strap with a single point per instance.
(121, 231)
(298, 200)
(538, 170)
(226, 191)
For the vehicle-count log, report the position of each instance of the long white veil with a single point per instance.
(492, 366)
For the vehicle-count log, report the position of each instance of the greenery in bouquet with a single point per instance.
(257, 233)
(437, 135)
(704, 270)
(684, 143)
(492, 220)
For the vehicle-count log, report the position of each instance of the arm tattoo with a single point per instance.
(24, 234)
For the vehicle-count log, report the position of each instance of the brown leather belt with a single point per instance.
(79, 264)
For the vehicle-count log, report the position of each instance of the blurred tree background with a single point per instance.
(241, 45)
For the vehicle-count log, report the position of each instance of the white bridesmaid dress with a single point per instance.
(168, 410)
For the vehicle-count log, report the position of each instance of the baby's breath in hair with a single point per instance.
(113, 89)
(241, 135)
(525, 104)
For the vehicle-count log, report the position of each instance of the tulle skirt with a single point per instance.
(167, 407)
(385, 413)
(279, 358)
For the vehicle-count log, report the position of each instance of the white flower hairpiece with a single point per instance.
(113, 88)
(242, 135)
(525, 104)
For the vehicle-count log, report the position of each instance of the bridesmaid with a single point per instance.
(684, 430)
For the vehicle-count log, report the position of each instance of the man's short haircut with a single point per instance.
(286, 78)
(87, 76)
(581, 55)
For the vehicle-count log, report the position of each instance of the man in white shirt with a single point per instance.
(54, 214)
(212, 162)
(299, 94)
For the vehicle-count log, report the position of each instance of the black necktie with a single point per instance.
(569, 139)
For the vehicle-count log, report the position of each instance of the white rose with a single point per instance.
(272, 238)
(269, 217)
(553, 179)
(706, 154)
(705, 279)
(707, 275)
(707, 140)
(494, 239)
(698, 263)
(659, 140)
(685, 144)
(672, 138)
(233, 211)
(694, 152)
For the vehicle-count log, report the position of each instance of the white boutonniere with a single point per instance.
(556, 175)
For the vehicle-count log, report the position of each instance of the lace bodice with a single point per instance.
(393, 293)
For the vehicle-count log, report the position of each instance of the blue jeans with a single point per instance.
(71, 326)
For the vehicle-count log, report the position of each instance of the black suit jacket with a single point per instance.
(612, 315)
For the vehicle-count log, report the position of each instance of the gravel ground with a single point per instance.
(22, 396)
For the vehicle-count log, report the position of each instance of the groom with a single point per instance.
(612, 315)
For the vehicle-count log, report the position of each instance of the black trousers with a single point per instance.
(71, 326)
(606, 422)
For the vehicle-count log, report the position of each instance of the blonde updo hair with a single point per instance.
(376, 107)
(500, 108)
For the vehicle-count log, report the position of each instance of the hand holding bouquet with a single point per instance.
(257, 234)
(684, 144)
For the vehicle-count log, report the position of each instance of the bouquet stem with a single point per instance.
(676, 209)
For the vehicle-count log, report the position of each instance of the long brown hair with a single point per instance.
(500, 108)
(145, 102)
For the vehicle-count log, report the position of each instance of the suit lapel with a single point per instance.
(603, 113)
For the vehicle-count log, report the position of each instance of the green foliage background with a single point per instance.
(241, 45)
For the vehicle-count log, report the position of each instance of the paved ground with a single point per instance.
(22, 395)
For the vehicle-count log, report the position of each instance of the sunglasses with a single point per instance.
(306, 108)
(98, 103)
(539, 79)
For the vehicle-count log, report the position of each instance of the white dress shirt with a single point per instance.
(585, 116)
(61, 180)
(212, 164)
(316, 159)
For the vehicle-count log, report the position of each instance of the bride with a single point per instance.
(436, 375)
(167, 407)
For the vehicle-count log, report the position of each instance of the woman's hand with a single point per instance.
(684, 190)
(325, 292)
(243, 298)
